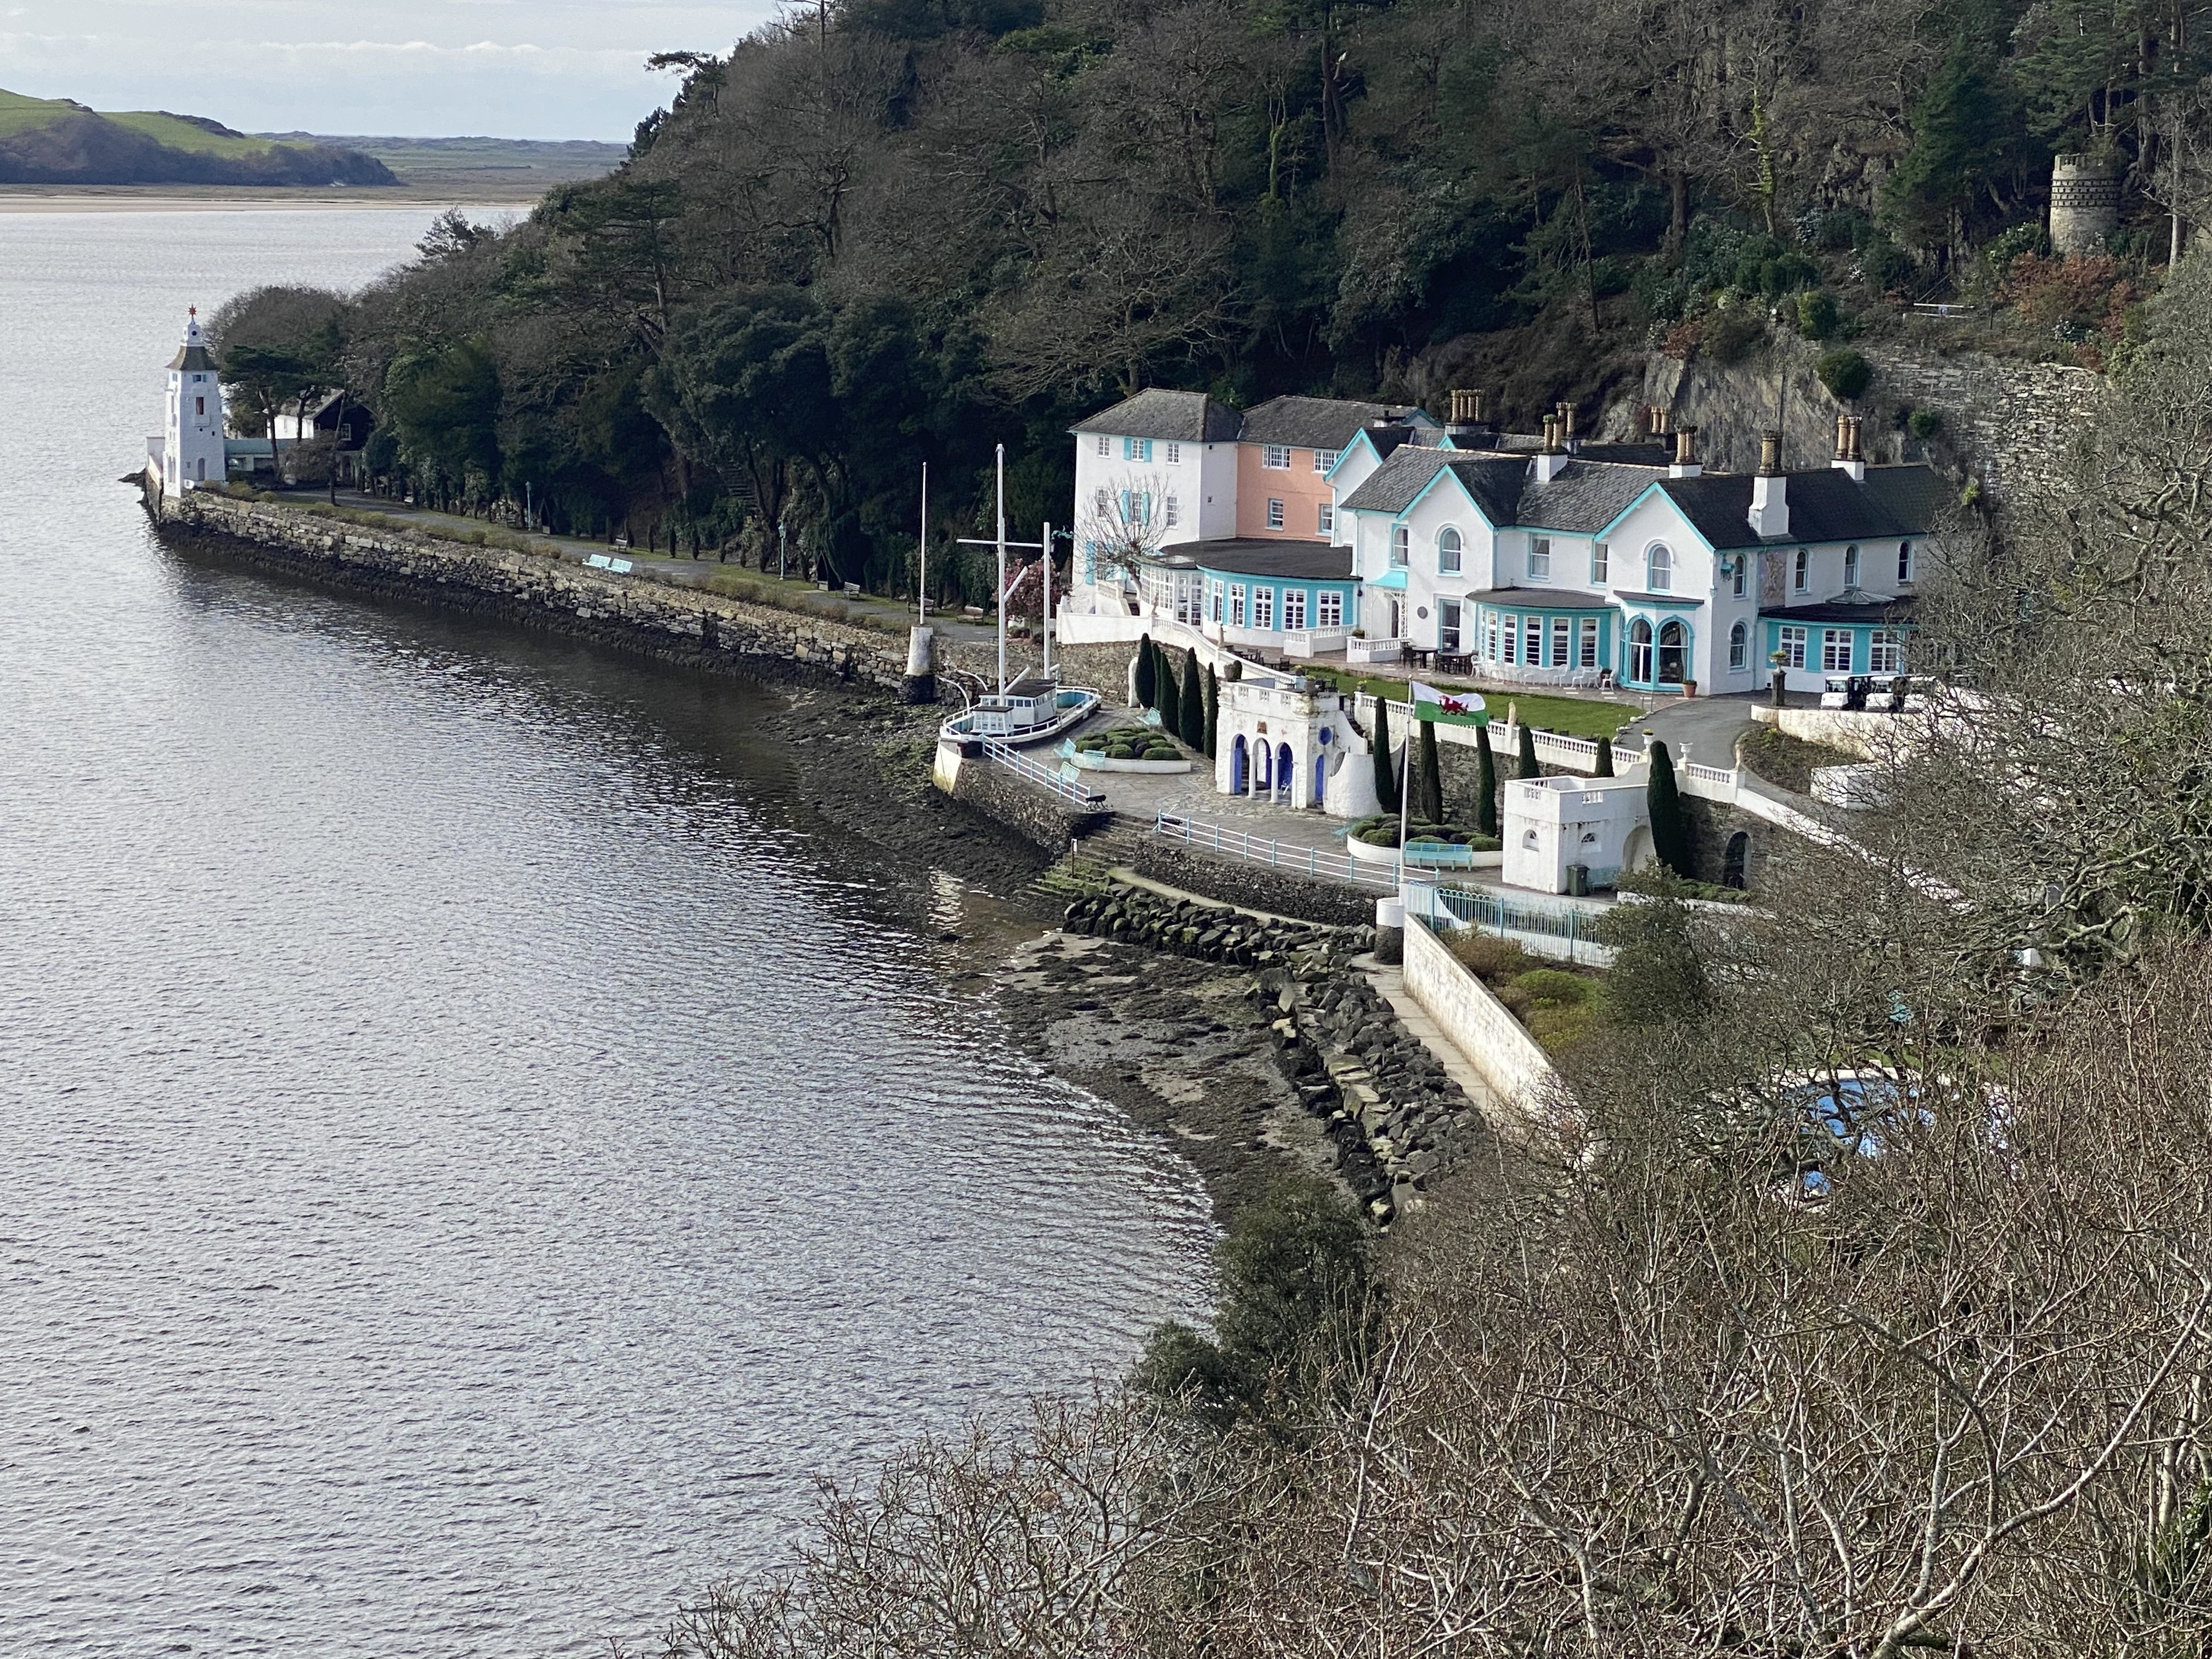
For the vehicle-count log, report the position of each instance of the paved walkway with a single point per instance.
(791, 594)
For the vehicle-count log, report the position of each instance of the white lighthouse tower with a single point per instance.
(191, 448)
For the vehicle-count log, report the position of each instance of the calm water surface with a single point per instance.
(467, 1156)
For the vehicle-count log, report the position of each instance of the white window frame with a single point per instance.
(1738, 647)
(1294, 610)
(1274, 513)
(1800, 576)
(1659, 567)
(1539, 558)
(1904, 564)
(1830, 638)
(1174, 454)
(1449, 616)
(1563, 641)
(1401, 546)
(1174, 512)
(1600, 562)
(1325, 519)
(1851, 565)
(1136, 449)
(1490, 636)
(1451, 549)
(1275, 458)
(1510, 622)
(1324, 459)
(1741, 582)
(1215, 598)
(1588, 659)
(1237, 605)
(1263, 609)
(1793, 641)
(1106, 446)
(1329, 608)
(1886, 651)
(1532, 640)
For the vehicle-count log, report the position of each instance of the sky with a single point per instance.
(511, 69)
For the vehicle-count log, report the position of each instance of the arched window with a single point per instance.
(1740, 647)
(1674, 652)
(1800, 575)
(1735, 864)
(1659, 568)
(1639, 652)
(1529, 839)
(1447, 550)
(1401, 541)
(1904, 561)
(1851, 565)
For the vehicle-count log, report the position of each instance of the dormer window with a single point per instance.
(1659, 568)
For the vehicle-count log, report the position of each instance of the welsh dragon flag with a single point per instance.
(1448, 707)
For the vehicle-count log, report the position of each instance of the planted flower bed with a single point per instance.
(1452, 846)
(1557, 1005)
(1129, 749)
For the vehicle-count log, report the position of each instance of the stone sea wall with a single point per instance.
(677, 623)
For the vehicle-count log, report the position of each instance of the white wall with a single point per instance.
(1186, 478)
(193, 432)
(1495, 1043)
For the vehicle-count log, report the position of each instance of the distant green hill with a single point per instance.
(478, 164)
(57, 141)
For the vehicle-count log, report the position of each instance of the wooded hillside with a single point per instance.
(888, 230)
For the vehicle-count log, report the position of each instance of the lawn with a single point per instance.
(1580, 717)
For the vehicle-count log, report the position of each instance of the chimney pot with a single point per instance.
(1770, 454)
(1843, 437)
(1685, 445)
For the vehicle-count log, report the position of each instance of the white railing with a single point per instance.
(1045, 777)
(1579, 753)
(1313, 642)
(1264, 850)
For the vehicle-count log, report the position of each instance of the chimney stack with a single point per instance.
(1466, 428)
(1686, 454)
(1553, 455)
(1848, 457)
(1770, 491)
(1567, 426)
(1658, 419)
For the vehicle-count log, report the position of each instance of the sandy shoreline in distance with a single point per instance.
(21, 199)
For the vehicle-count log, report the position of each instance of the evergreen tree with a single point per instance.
(1170, 694)
(1386, 771)
(1527, 768)
(1670, 825)
(1604, 757)
(1431, 798)
(1485, 784)
(1148, 688)
(1212, 712)
(1192, 727)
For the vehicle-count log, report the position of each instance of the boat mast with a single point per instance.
(1047, 599)
(1002, 570)
(921, 556)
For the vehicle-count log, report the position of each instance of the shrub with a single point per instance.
(1923, 423)
(1487, 957)
(1845, 373)
(1670, 824)
(1818, 315)
(1557, 985)
(1657, 974)
(2086, 294)
(1731, 337)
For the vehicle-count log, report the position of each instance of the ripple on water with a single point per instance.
(469, 1158)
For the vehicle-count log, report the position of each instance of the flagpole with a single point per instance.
(1047, 599)
(921, 556)
(1405, 781)
(1002, 570)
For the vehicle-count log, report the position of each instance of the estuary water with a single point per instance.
(468, 1156)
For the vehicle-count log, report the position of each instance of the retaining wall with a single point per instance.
(1513, 1063)
(1254, 886)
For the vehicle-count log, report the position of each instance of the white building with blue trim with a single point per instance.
(1518, 560)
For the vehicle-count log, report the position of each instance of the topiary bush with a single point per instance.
(1845, 373)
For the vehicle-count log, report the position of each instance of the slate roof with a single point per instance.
(193, 357)
(1545, 599)
(1870, 610)
(1494, 481)
(1633, 454)
(1314, 423)
(1585, 497)
(1255, 555)
(1824, 505)
(1157, 412)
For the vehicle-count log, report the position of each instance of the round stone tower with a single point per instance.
(2085, 205)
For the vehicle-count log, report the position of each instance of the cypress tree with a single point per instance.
(1529, 768)
(1604, 758)
(1170, 694)
(1192, 729)
(1485, 784)
(1212, 712)
(1431, 775)
(1148, 689)
(1670, 825)
(1386, 772)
